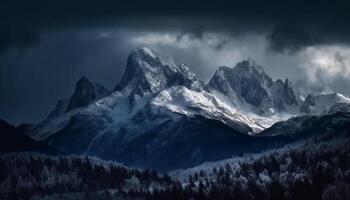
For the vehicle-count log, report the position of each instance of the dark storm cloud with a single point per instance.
(22, 22)
(19, 37)
(293, 35)
(290, 37)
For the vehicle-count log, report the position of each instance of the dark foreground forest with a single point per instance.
(317, 168)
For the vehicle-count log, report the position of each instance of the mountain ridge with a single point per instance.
(156, 105)
(247, 85)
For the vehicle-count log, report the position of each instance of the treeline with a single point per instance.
(318, 168)
(24, 176)
(308, 171)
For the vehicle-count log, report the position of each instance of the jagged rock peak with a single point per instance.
(145, 55)
(247, 69)
(146, 72)
(287, 82)
(247, 83)
(250, 65)
(85, 92)
(289, 96)
(144, 51)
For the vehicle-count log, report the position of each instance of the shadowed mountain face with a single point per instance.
(300, 127)
(189, 140)
(248, 85)
(85, 93)
(160, 109)
(14, 141)
(145, 72)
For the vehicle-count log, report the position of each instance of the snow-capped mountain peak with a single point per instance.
(247, 86)
(141, 71)
(146, 72)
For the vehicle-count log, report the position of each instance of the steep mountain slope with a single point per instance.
(305, 126)
(191, 126)
(14, 141)
(85, 93)
(247, 86)
(339, 107)
(181, 100)
(145, 72)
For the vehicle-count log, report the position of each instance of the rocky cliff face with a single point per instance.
(247, 85)
(145, 72)
(85, 93)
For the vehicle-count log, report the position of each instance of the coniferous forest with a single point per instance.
(318, 168)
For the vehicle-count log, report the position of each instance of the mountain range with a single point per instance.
(161, 116)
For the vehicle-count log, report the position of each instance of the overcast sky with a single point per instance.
(46, 46)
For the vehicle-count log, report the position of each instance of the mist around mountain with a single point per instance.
(242, 135)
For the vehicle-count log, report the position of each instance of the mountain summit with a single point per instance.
(248, 86)
(85, 93)
(145, 72)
